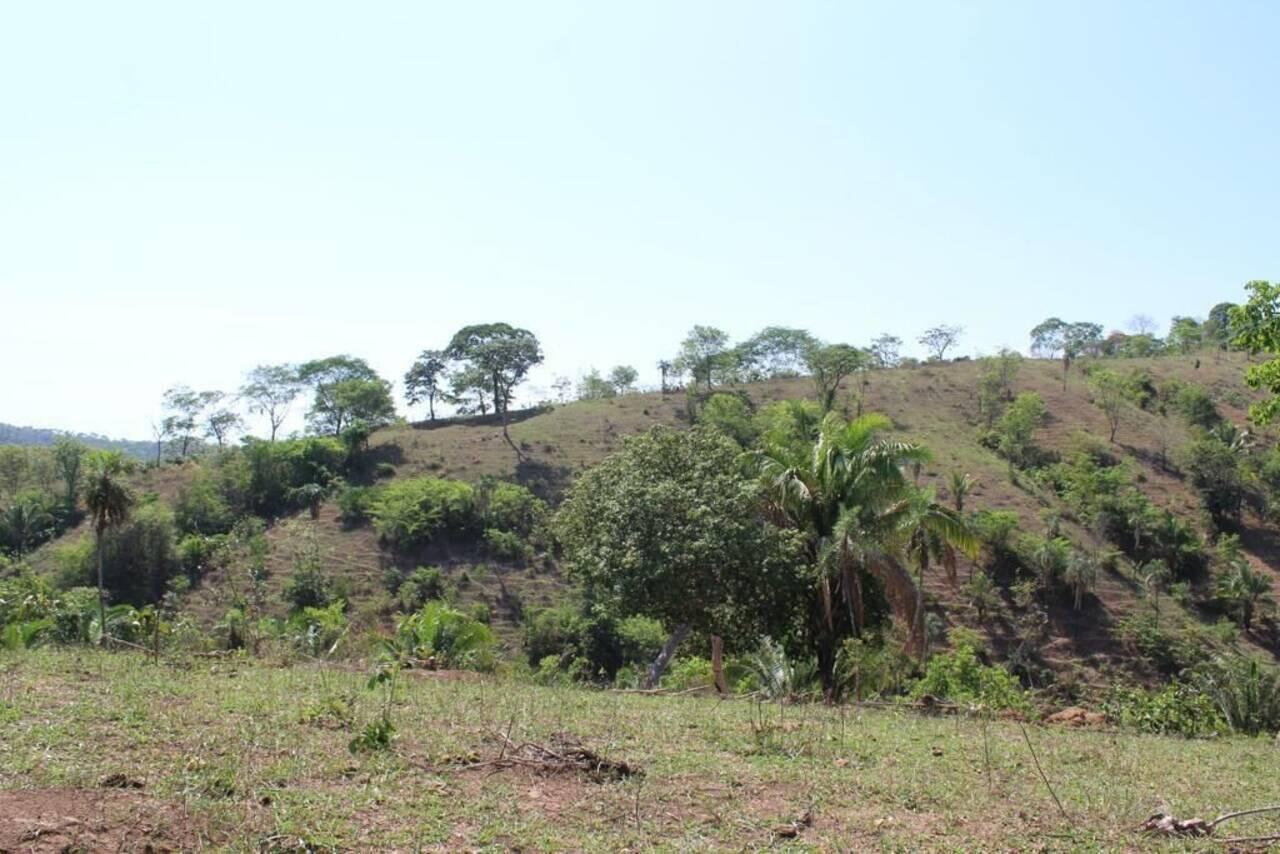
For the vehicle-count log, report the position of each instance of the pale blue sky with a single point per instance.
(187, 190)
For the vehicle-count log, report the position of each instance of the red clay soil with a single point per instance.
(69, 820)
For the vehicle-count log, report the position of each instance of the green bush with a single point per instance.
(686, 673)
(509, 507)
(355, 502)
(317, 631)
(507, 545)
(423, 585)
(1175, 709)
(1246, 692)
(443, 637)
(412, 512)
(959, 676)
(201, 508)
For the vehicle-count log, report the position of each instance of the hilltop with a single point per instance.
(12, 434)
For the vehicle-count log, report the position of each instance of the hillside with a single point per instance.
(933, 404)
(12, 434)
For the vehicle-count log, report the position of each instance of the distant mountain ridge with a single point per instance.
(11, 434)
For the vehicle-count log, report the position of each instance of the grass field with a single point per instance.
(229, 754)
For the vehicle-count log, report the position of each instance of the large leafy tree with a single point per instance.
(425, 380)
(669, 527)
(347, 390)
(109, 501)
(270, 390)
(848, 495)
(504, 355)
(704, 355)
(829, 364)
(221, 421)
(776, 351)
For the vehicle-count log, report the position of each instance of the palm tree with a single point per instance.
(847, 490)
(24, 524)
(109, 501)
(981, 594)
(961, 484)
(932, 534)
(1155, 575)
(1080, 574)
(1245, 589)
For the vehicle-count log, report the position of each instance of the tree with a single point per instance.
(425, 380)
(933, 534)
(270, 390)
(960, 485)
(1217, 327)
(1048, 337)
(592, 386)
(885, 351)
(1256, 325)
(184, 407)
(25, 524)
(109, 501)
(940, 339)
(1213, 467)
(1015, 431)
(1241, 586)
(846, 493)
(1186, 335)
(1142, 324)
(1154, 575)
(703, 354)
(665, 368)
(502, 353)
(982, 595)
(1111, 394)
(161, 431)
(562, 387)
(68, 458)
(469, 390)
(623, 379)
(776, 351)
(669, 528)
(15, 463)
(219, 421)
(1079, 339)
(829, 364)
(346, 390)
(1080, 575)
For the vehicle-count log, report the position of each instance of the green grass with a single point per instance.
(257, 756)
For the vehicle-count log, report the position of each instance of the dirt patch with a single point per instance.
(66, 820)
(1077, 717)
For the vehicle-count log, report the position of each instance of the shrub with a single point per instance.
(509, 507)
(1015, 431)
(1175, 709)
(686, 673)
(443, 637)
(731, 415)
(1215, 475)
(199, 553)
(423, 585)
(1245, 691)
(959, 676)
(317, 630)
(354, 504)
(414, 511)
(507, 545)
(201, 507)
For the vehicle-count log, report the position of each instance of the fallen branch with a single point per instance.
(569, 756)
(1166, 825)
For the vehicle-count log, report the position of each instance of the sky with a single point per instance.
(188, 190)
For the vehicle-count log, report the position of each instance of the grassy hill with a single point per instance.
(935, 404)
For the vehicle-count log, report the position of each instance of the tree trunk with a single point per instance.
(102, 595)
(717, 664)
(659, 665)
